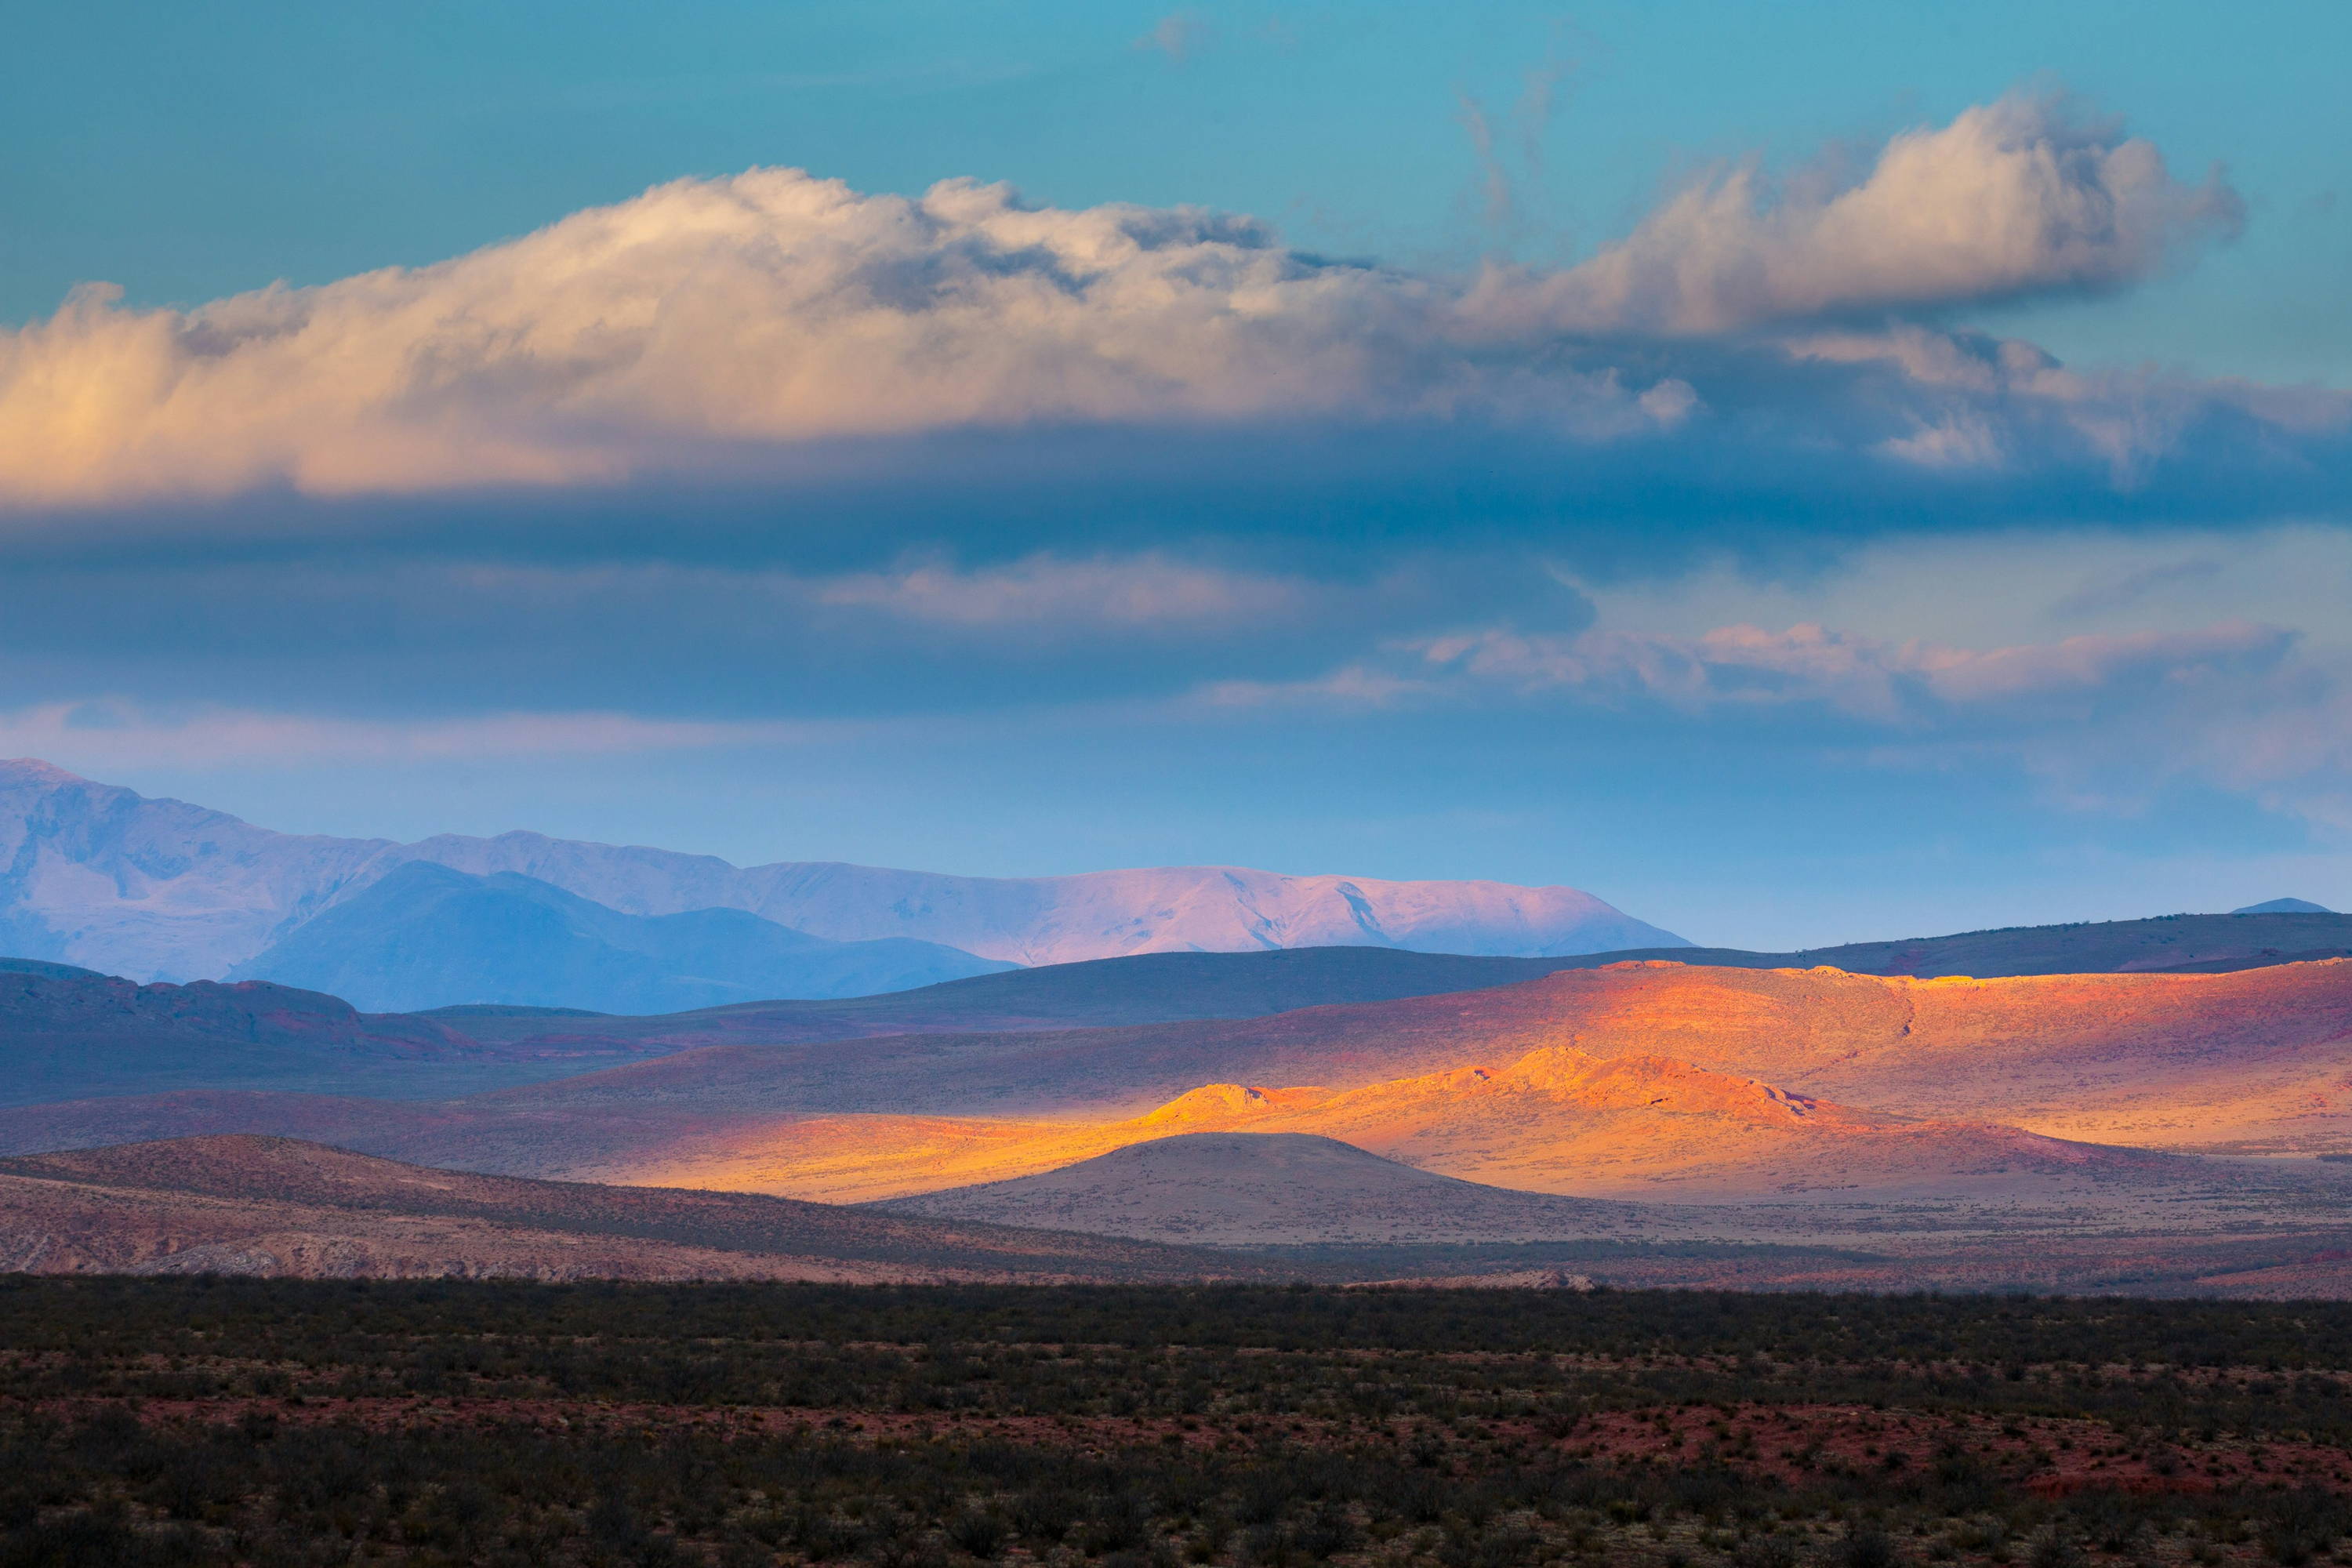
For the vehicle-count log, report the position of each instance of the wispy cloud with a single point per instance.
(1135, 592)
(1180, 35)
(114, 732)
(1908, 685)
(2105, 720)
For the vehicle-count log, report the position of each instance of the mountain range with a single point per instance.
(98, 876)
(424, 936)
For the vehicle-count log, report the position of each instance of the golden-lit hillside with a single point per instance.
(1556, 1120)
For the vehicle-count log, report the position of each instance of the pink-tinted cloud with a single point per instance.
(1134, 592)
(2011, 198)
(721, 325)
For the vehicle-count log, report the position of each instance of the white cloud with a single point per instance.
(718, 326)
(768, 308)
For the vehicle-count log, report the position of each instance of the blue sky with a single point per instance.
(1598, 460)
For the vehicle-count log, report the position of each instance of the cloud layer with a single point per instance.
(724, 329)
(1141, 499)
(2106, 721)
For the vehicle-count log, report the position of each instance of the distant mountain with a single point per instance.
(425, 936)
(1149, 988)
(101, 876)
(2284, 907)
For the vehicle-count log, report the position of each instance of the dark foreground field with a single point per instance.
(275, 1422)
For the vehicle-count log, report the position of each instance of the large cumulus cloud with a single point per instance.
(768, 308)
(724, 329)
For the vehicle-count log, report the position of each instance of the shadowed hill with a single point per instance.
(1240, 1189)
(2255, 938)
(1147, 988)
(140, 1205)
(73, 1035)
(68, 1032)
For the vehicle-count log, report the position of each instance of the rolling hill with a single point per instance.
(66, 1032)
(2253, 938)
(1171, 987)
(242, 1204)
(1555, 1120)
(1147, 988)
(1240, 1189)
(2151, 1058)
(2252, 1061)
(71, 1034)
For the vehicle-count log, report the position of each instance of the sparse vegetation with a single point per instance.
(237, 1421)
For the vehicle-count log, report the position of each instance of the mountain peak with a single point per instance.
(36, 769)
(2284, 907)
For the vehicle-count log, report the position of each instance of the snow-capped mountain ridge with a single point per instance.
(100, 875)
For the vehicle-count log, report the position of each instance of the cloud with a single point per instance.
(103, 732)
(788, 336)
(2105, 722)
(1911, 685)
(1179, 35)
(1136, 592)
(770, 309)
(924, 634)
(2013, 199)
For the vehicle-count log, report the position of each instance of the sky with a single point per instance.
(1803, 474)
